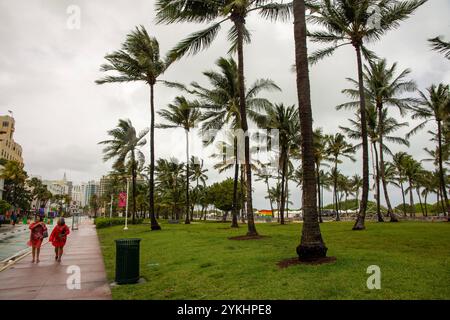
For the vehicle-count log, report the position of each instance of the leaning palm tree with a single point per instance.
(384, 89)
(182, 114)
(338, 147)
(217, 13)
(124, 148)
(311, 245)
(139, 60)
(441, 46)
(355, 22)
(435, 106)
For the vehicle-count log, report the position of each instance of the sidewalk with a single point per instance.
(47, 280)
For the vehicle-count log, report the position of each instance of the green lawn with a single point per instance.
(198, 262)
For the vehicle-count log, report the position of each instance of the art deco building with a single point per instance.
(9, 149)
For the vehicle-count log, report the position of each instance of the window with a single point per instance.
(5, 124)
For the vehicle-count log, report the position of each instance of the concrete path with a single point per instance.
(48, 279)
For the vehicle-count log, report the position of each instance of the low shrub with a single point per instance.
(107, 222)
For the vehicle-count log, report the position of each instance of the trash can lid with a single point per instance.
(128, 240)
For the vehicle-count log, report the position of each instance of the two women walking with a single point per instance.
(58, 237)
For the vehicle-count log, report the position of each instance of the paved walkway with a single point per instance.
(48, 279)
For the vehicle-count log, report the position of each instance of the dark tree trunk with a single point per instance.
(403, 197)
(239, 22)
(359, 224)
(377, 179)
(391, 213)
(336, 200)
(234, 223)
(426, 205)
(133, 189)
(441, 172)
(187, 221)
(319, 201)
(283, 189)
(270, 199)
(411, 200)
(153, 222)
(311, 245)
(420, 201)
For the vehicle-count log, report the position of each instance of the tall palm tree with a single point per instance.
(123, 147)
(399, 163)
(413, 170)
(263, 173)
(338, 147)
(378, 125)
(182, 114)
(311, 245)
(221, 107)
(286, 121)
(353, 22)
(169, 178)
(139, 60)
(435, 106)
(320, 156)
(384, 89)
(217, 13)
(356, 182)
(441, 46)
(198, 175)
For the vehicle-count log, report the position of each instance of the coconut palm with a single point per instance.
(139, 60)
(441, 46)
(413, 170)
(399, 163)
(123, 147)
(338, 147)
(384, 89)
(217, 13)
(311, 245)
(182, 114)
(435, 106)
(356, 182)
(286, 121)
(221, 105)
(320, 156)
(375, 131)
(263, 174)
(355, 22)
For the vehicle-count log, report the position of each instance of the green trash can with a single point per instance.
(127, 261)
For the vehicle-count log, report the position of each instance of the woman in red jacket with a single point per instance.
(58, 238)
(38, 228)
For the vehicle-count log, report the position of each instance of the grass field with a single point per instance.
(198, 261)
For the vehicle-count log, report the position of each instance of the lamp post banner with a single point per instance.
(122, 199)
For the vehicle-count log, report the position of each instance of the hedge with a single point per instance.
(107, 222)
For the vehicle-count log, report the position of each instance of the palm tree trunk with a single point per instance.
(359, 224)
(270, 198)
(420, 201)
(311, 245)
(336, 201)
(286, 191)
(153, 223)
(187, 221)
(283, 189)
(319, 200)
(377, 172)
(411, 200)
(441, 172)
(391, 213)
(426, 205)
(242, 194)
(239, 23)
(133, 188)
(234, 223)
(403, 197)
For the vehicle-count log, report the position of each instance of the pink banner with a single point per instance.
(122, 199)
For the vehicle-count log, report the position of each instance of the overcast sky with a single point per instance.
(47, 74)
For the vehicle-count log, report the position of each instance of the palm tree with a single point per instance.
(182, 114)
(352, 22)
(441, 46)
(338, 147)
(221, 105)
(286, 121)
(357, 183)
(218, 12)
(378, 125)
(264, 175)
(198, 175)
(311, 245)
(383, 88)
(139, 60)
(169, 178)
(320, 155)
(435, 106)
(412, 169)
(399, 163)
(124, 148)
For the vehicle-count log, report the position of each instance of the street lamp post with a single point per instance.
(126, 207)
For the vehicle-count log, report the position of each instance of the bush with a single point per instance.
(107, 222)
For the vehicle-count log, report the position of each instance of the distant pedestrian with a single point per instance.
(38, 233)
(58, 238)
(14, 218)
